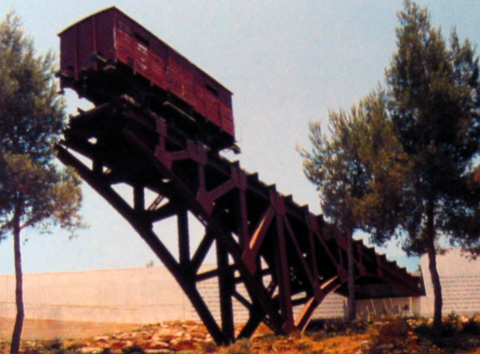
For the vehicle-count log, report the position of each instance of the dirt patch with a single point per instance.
(49, 329)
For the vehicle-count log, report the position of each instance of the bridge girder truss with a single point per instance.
(282, 254)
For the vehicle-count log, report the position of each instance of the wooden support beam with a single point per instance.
(102, 188)
(305, 315)
(145, 231)
(250, 253)
(221, 190)
(296, 246)
(283, 276)
(241, 299)
(138, 198)
(226, 288)
(168, 161)
(165, 211)
(243, 220)
(183, 238)
(202, 251)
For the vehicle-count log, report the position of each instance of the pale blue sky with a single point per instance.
(287, 62)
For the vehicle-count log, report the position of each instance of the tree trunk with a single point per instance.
(17, 330)
(437, 287)
(352, 308)
(432, 267)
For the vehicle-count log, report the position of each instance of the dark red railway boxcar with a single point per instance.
(108, 53)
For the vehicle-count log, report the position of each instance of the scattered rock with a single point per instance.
(178, 337)
(121, 344)
(180, 344)
(158, 351)
(157, 345)
(90, 350)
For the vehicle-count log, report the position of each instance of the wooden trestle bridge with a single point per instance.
(283, 255)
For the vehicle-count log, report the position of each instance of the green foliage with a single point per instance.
(38, 193)
(389, 172)
(434, 101)
(404, 162)
(338, 327)
(335, 168)
(32, 116)
(31, 112)
(456, 333)
(360, 168)
(33, 191)
(400, 156)
(356, 170)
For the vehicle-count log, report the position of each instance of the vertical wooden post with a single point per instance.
(283, 275)
(243, 221)
(183, 238)
(226, 286)
(138, 198)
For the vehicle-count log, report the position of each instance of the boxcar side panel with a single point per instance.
(199, 91)
(85, 43)
(104, 35)
(158, 72)
(68, 53)
(227, 119)
(115, 36)
(225, 99)
(159, 61)
(123, 41)
(213, 105)
(140, 50)
(141, 59)
(180, 77)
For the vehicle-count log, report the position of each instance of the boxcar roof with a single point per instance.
(115, 9)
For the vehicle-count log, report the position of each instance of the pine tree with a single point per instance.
(34, 192)
(404, 163)
(434, 102)
(340, 167)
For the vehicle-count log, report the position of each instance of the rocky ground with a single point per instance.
(396, 336)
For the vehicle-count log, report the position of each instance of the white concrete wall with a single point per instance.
(150, 295)
(139, 295)
(460, 280)
(143, 295)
